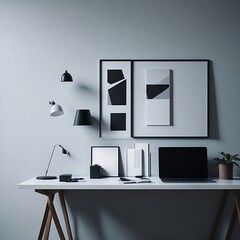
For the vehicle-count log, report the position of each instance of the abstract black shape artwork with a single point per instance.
(118, 122)
(158, 101)
(114, 75)
(115, 99)
(117, 94)
(153, 90)
(170, 98)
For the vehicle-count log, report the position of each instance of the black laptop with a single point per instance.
(183, 164)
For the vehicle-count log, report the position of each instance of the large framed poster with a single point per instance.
(170, 98)
(115, 99)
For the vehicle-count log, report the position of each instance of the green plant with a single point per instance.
(227, 159)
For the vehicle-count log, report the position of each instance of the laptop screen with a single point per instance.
(183, 162)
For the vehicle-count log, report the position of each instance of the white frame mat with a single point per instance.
(107, 158)
(184, 109)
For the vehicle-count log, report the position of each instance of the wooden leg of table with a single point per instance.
(231, 224)
(219, 214)
(64, 210)
(48, 223)
(237, 202)
(44, 221)
(50, 213)
(48, 226)
(55, 218)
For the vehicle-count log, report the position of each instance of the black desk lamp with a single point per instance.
(64, 151)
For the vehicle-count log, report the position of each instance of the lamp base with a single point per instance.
(46, 177)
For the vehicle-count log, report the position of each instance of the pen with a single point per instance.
(129, 182)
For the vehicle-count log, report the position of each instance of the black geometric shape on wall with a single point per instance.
(164, 95)
(154, 90)
(118, 94)
(118, 122)
(114, 75)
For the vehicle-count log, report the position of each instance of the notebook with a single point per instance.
(183, 164)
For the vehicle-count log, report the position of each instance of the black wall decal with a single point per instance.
(155, 90)
(118, 122)
(114, 75)
(117, 94)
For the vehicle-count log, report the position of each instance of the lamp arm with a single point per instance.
(50, 159)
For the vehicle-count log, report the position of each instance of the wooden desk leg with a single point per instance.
(237, 202)
(55, 218)
(219, 214)
(50, 213)
(48, 226)
(235, 214)
(44, 222)
(231, 224)
(64, 210)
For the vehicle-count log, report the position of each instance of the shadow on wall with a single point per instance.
(212, 111)
(85, 88)
(142, 215)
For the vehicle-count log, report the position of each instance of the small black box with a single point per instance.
(65, 177)
(95, 171)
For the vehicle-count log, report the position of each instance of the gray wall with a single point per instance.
(40, 40)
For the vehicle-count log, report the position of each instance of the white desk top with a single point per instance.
(113, 183)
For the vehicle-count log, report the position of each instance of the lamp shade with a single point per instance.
(56, 109)
(83, 117)
(66, 77)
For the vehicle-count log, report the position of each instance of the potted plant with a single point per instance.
(225, 164)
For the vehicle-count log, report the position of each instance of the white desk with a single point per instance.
(51, 187)
(113, 183)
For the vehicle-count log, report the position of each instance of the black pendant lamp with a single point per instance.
(83, 117)
(66, 77)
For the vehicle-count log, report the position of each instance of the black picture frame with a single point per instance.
(189, 109)
(115, 98)
(185, 116)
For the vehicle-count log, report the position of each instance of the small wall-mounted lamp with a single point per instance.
(83, 117)
(46, 177)
(56, 109)
(66, 77)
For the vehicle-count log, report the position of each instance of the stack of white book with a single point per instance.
(138, 160)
